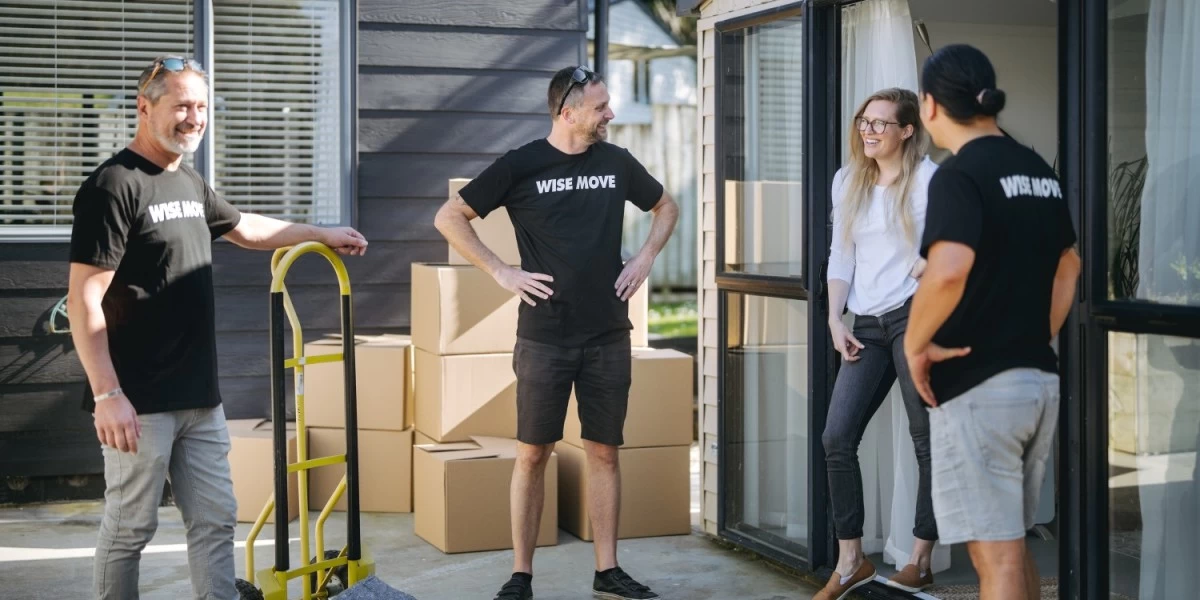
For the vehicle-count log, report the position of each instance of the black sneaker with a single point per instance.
(517, 588)
(618, 585)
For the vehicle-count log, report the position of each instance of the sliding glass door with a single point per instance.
(762, 278)
(1137, 406)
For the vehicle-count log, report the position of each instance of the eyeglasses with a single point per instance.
(877, 126)
(579, 77)
(174, 64)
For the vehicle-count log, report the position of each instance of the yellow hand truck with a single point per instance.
(322, 573)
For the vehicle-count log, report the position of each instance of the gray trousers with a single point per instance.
(191, 448)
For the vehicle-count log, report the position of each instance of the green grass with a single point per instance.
(674, 319)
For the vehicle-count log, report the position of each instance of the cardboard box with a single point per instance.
(656, 492)
(420, 439)
(384, 469)
(462, 495)
(660, 402)
(496, 232)
(461, 310)
(252, 465)
(383, 381)
(639, 317)
(465, 395)
(458, 309)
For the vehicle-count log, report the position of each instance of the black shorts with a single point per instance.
(545, 374)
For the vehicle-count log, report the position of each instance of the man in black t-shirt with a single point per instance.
(998, 286)
(565, 196)
(142, 319)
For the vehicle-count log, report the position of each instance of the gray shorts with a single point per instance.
(989, 449)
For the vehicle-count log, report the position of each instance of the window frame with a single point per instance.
(204, 157)
(1112, 314)
(724, 423)
(757, 284)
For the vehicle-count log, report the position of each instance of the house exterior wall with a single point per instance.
(443, 89)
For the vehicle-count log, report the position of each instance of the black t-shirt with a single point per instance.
(568, 210)
(155, 229)
(1002, 200)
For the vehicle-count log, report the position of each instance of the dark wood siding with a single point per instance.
(443, 89)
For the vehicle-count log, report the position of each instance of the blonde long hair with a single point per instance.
(863, 172)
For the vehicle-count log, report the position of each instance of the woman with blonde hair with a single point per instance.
(879, 201)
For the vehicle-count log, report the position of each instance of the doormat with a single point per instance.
(971, 592)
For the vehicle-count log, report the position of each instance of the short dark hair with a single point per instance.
(558, 86)
(961, 78)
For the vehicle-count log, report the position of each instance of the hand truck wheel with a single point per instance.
(247, 591)
(337, 582)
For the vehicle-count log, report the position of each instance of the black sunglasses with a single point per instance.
(579, 77)
(174, 64)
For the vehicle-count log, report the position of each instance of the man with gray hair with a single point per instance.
(142, 319)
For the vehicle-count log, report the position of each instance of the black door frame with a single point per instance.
(756, 285)
(1083, 460)
(1083, 61)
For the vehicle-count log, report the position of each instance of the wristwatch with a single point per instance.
(107, 395)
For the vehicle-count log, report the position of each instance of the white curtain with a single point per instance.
(1169, 265)
(1169, 255)
(878, 51)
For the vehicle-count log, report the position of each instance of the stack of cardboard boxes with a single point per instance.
(464, 327)
(385, 433)
(385, 421)
(655, 459)
(251, 461)
(437, 420)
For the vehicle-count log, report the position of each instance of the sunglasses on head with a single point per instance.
(174, 64)
(579, 77)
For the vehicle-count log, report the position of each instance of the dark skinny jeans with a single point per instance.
(860, 389)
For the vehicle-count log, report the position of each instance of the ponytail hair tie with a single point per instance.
(979, 98)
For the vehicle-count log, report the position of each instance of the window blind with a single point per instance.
(277, 107)
(68, 88)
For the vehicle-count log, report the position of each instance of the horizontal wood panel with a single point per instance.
(51, 488)
(522, 93)
(450, 133)
(42, 407)
(250, 397)
(402, 219)
(385, 262)
(45, 432)
(38, 360)
(317, 307)
(710, 364)
(233, 265)
(416, 175)
(517, 51)
(51, 452)
(526, 14)
(26, 313)
(53, 360)
(34, 266)
(243, 282)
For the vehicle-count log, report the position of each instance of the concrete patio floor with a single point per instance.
(46, 553)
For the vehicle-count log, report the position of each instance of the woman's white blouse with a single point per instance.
(877, 259)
